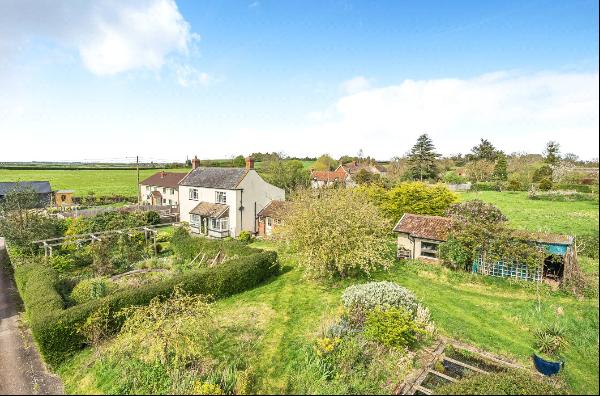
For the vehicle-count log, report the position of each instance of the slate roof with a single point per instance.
(164, 179)
(273, 209)
(425, 227)
(40, 187)
(224, 178)
(208, 209)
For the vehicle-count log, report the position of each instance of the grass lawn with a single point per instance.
(101, 182)
(573, 218)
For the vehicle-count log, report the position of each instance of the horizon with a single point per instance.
(163, 79)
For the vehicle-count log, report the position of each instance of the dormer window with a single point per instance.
(220, 197)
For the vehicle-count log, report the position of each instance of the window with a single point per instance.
(429, 249)
(147, 188)
(194, 194)
(172, 191)
(219, 224)
(164, 190)
(269, 222)
(170, 202)
(221, 197)
(195, 220)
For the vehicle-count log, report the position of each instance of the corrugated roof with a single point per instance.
(426, 227)
(225, 178)
(40, 187)
(273, 209)
(164, 179)
(208, 209)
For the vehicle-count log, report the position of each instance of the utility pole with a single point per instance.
(137, 166)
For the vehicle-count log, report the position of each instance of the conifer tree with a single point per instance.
(501, 168)
(422, 159)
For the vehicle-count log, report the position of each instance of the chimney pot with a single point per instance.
(249, 163)
(195, 162)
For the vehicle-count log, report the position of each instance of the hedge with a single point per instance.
(485, 186)
(580, 188)
(55, 328)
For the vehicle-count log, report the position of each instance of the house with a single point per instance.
(41, 188)
(161, 189)
(221, 202)
(345, 174)
(419, 237)
(270, 217)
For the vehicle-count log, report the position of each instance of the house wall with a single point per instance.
(256, 195)
(144, 194)
(209, 195)
(404, 242)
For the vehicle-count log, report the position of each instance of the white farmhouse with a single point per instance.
(221, 202)
(161, 189)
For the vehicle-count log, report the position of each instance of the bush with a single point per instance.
(55, 329)
(394, 327)
(512, 382)
(152, 217)
(485, 186)
(62, 263)
(452, 177)
(545, 184)
(514, 185)
(92, 289)
(360, 299)
(186, 247)
(245, 237)
(550, 340)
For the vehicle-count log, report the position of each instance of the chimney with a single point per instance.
(163, 174)
(249, 163)
(195, 162)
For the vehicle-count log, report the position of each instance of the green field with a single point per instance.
(572, 218)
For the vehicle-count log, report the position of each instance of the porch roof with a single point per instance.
(208, 209)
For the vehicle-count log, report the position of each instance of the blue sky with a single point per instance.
(165, 80)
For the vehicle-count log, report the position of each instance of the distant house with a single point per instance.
(41, 188)
(345, 174)
(221, 202)
(419, 237)
(270, 217)
(161, 188)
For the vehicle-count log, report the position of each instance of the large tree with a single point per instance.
(485, 150)
(287, 174)
(552, 153)
(336, 233)
(325, 163)
(422, 159)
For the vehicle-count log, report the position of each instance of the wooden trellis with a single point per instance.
(49, 244)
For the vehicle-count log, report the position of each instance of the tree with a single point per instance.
(363, 176)
(411, 197)
(501, 168)
(452, 177)
(239, 161)
(480, 171)
(552, 153)
(21, 222)
(286, 174)
(335, 233)
(485, 150)
(344, 159)
(325, 163)
(422, 159)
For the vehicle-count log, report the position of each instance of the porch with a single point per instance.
(210, 219)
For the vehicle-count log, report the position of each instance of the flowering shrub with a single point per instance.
(394, 327)
(326, 345)
(206, 388)
(360, 299)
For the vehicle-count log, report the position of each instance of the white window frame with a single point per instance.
(172, 191)
(221, 224)
(221, 197)
(195, 220)
(164, 190)
(193, 194)
(147, 188)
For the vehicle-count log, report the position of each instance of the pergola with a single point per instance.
(49, 244)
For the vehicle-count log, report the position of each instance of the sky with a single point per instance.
(108, 80)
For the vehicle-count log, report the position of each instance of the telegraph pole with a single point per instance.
(137, 166)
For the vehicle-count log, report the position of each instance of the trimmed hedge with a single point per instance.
(580, 188)
(485, 186)
(55, 328)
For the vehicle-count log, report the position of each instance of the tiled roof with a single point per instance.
(208, 209)
(164, 179)
(328, 176)
(225, 178)
(426, 227)
(156, 194)
(273, 209)
(40, 187)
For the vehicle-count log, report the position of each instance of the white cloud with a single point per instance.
(355, 85)
(111, 36)
(189, 76)
(516, 112)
